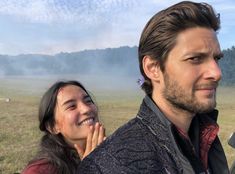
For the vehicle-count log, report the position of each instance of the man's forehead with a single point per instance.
(197, 39)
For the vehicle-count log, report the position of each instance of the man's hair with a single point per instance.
(159, 35)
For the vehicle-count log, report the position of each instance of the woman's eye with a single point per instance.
(88, 100)
(71, 107)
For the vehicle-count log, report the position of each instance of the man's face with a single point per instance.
(192, 72)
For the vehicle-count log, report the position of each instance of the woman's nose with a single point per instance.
(83, 108)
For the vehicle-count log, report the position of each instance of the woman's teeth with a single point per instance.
(88, 121)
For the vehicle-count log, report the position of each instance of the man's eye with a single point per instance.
(217, 58)
(195, 59)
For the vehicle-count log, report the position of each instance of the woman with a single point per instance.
(69, 119)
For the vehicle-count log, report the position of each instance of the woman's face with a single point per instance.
(74, 113)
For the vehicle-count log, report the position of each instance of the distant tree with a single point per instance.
(121, 61)
(227, 64)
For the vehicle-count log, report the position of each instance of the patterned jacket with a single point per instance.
(146, 145)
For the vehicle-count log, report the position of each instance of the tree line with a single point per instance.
(122, 61)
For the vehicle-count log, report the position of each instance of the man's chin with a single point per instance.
(207, 107)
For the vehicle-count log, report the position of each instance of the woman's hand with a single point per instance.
(95, 136)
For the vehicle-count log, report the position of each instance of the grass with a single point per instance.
(226, 119)
(19, 134)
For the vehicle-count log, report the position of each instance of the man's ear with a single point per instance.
(151, 68)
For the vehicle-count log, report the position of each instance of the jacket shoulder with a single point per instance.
(128, 150)
(129, 136)
(40, 167)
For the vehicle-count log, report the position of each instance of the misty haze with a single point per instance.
(103, 69)
(100, 69)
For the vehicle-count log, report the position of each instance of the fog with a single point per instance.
(96, 84)
(113, 69)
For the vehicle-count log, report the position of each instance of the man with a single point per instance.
(175, 130)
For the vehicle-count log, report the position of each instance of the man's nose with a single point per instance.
(214, 70)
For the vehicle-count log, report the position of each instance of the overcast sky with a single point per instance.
(53, 26)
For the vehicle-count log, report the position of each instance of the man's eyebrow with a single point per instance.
(195, 54)
(220, 55)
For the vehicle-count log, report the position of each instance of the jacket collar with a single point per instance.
(151, 116)
(149, 110)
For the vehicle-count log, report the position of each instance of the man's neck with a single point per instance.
(179, 117)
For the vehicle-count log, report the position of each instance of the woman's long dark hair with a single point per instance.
(53, 147)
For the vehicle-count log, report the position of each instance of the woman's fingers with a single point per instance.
(101, 136)
(88, 148)
(96, 135)
(84, 152)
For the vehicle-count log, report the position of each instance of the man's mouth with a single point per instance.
(87, 121)
(212, 86)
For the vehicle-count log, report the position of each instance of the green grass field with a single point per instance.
(19, 134)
